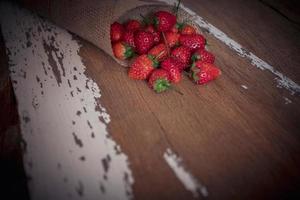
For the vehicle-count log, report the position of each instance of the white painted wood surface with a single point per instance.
(185, 177)
(69, 153)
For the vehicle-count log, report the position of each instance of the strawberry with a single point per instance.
(172, 39)
(183, 28)
(122, 51)
(128, 38)
(194, 41)
(183, 54)
(187, 29)
(172, 66)
(174, 29)
(172, 62)
(133, 25)
(204, 56)
(156, 34)
(159, 51)
(159, 80)
(164, 21)
(143, 41)
(204, 72)
(116, 31)
(142, 67)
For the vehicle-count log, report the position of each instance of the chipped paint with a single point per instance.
(282, 80)
(244, 87)
(287, 100)
(69, 153)
(185, 177)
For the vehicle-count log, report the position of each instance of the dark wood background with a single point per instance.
(242, 144)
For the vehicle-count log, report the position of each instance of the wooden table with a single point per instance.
(238, 136)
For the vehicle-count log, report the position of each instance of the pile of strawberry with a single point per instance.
(162, 49)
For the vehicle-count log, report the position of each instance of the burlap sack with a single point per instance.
(91, 19)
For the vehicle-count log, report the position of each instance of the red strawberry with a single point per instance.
(204, 72)
(156, 34)
(173, 62)
(183, 54)
(172, 39)
(194, 41)
(204, 56)
(174, 29)
(128, 38)
(133, 25)
(183, 28)
(164, 21)
(143, 41)
(116, 31)
(159, 51)
(122, 51)
(172, 66)
(159, 80)
(142, 67)
(188, 29)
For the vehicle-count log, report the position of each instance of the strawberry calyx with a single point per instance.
(195, 76)
(161, 85)
(194, 72)
(195, 57)
(129, 52)
(154, 60)
(146, 20)
(155, 22)
(179, 26)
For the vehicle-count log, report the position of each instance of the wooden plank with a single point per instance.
(69, 152)
(237, 136)
(241, 143)
(282, 80)
(290, 10)
(258, 29)
(6, 93)
(13, 180)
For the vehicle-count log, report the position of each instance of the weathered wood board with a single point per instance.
(69, 153)
(89, 127)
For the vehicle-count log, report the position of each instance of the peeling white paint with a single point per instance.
(282, 80)
(186, 178)
(287, 100)
(69, 154)
(244, 87)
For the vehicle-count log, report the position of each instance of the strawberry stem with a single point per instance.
(177, 8)
(186, 73)
(165, 40)
(157, 56)
(146, 21)
(172, 87)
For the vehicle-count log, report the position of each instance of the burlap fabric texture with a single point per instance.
(91, 19)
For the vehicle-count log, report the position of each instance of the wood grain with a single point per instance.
(258, 28)
(240, 143)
